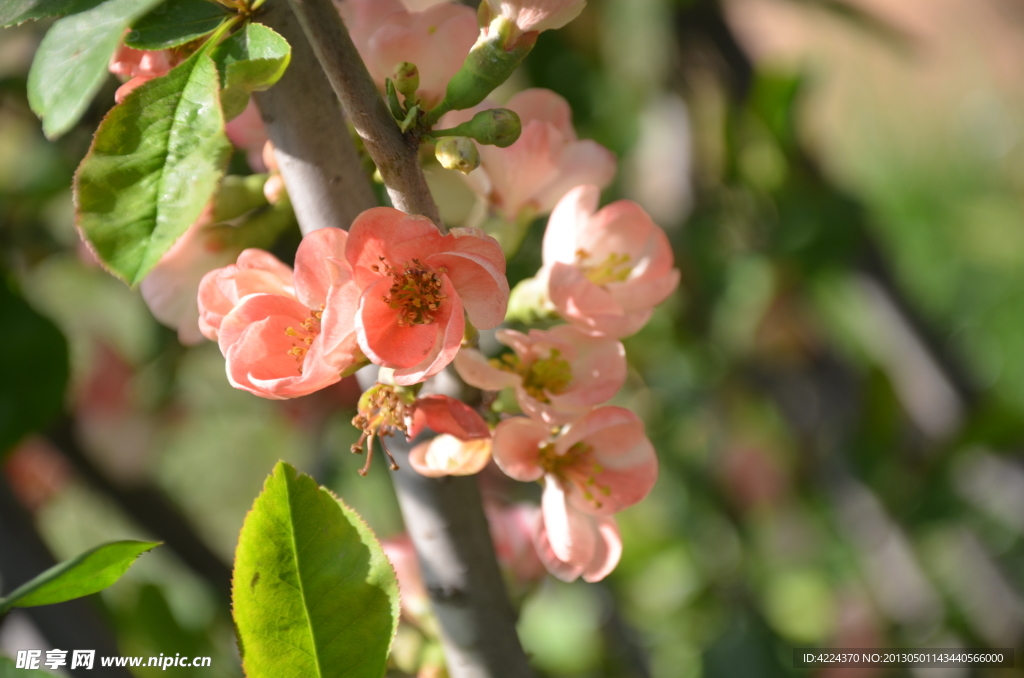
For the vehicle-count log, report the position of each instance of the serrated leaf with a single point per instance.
(71, 62)
(176, 22)
(313, 594)
(251, 60)
(8, 669)
(19, 11)
(152, 168)
(83, 575)
(33, 369)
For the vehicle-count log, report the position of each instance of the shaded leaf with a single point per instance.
(83, 575)
(8, 670)
(153, 166)
(176, 22)
(314, 595)
(18, 11)
(251, 60)
(71, 63)
(33, 369)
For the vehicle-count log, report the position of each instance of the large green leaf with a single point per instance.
(83, 575)
(17, 11)
(251, 60)
(33, 369)
(176, 22)
(152, 168)
(8, 670)
(71, 63)
(314, 595)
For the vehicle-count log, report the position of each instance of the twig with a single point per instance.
(71, 625)
(319, 161)
(395, 154)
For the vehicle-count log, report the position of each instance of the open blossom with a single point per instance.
(139, 66)
(578, 544)
(463, 444)
(599, 464)
(530, 176)
(255, 272)
(287, 345)
(537, 15)
(558, 374)
(605, 269)
(436, 40)
(416, 284)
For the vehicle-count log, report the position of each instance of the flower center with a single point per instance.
(304, 336)
(415, 291)
(382, 411)
(577, 467)
(541, 378)
(615, 267)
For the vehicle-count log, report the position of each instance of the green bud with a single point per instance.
(238, 195)
(457, 153)
(495, 127)
(407, 79)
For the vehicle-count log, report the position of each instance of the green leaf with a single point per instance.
(153, 166)
(33, 369)
(85, 574)
(314, 595)
(251, 60)
(175, 23)
(18, 11)
(71, 63)
(8, 670)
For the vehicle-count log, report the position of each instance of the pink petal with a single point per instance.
(478, 277)
(567, 572)
(315, 271)
(383, 340)
(561, 236)
(338, 329)
(445, 349)
(476, 371)
(446, 455)
(570, 532)
(444, 414)
(255, 308)
(517, 444)
(385, 232)
(581, 162)
(608, 550)
(542, 104)
(519, 172)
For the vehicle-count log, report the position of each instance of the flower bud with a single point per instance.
(457, 153)
(407, 79)
(495, 127)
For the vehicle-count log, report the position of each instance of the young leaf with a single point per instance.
(18, 11)
(85, 574)
(33, 369)
(175, 23)
(8, 669)
(314, 595)
(71, 62)
(251, 60)
(153, 166)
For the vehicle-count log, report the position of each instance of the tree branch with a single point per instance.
(395, 154)
(321, 167)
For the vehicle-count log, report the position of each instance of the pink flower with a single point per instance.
(463, 444)
(288, 345)
(573, 543)
(606, 270)
(512, 530)
(538, 15)
(558, 375)
(139, 66)
(255, 272)
(415, 285)
(599, 464)
(170, 288)
(436, 40)
(531, 175)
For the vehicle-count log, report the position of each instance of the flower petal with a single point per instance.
(476, 371)
(315, 271)
(517, 444)
(444, 414)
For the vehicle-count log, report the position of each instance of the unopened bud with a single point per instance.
(457, 153)
(495, 127)
(274, 190)
(407, 79)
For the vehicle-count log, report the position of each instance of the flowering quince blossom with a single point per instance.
(139, 66)
(558, 374)
(436, 40)
(531, 175)
(285, 345)
(605, 270)
(415, 285)
(537, 15)
(255, 272)
(591, 549)
(463, 444)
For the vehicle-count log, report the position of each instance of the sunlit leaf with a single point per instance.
(176, 22)
(83, 575)
(71, 63)
(18, 11)
(152, 168)
(314, 595)
(251, 60)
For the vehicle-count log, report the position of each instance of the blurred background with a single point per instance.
(836, 393)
